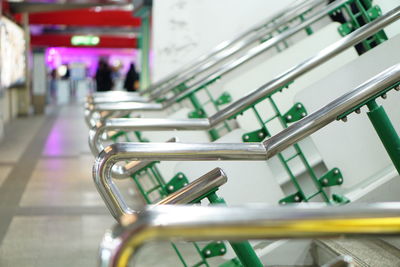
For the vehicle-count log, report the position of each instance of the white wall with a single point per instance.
(39, 74)
(185, 29)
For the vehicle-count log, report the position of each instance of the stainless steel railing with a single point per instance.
(197, 223)
(248, 100)
(114, 153)
(224, 69)
(281, 19)
(216, 55)
(210, 181)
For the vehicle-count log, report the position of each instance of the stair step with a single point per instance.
(365, 252)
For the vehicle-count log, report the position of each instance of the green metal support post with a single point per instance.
(385, 131)
(144, 44)
(243, 250)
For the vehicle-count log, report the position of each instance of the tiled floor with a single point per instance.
(50, 211)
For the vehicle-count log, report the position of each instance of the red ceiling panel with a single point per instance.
(56, 40)
(85, 17)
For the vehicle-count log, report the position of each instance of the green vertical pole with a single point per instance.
(144, 44)
(385, 131)
(243, 250)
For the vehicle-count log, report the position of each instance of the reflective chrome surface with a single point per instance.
(118, 207)
(117, 98)
(195, 223)
(197, 188)
(294, 72)
(330, 112)
(102, 169)
(255, 51)
(125, 171)
(141, 124)
(234, 63)
(230, 48)
(124, 106)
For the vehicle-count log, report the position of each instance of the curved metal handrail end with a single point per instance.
(142, 124)
(197, 223)
(102, 176)
(199, 187)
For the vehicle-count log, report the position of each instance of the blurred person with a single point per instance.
(103, 77)
(131, 82)
(53, 85)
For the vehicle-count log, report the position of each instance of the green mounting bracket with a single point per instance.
(231, 263)
(295, 113)
(346, 28)
(225, 98)
(161, 99)
(340, 199)
(357, 108)
(255, 136)
(179, 88)
(374, 12)
(214, 249)
(196, 114)
(176, 183)
(140, 137)
(294, 198)
(115, 136)
(331, 178)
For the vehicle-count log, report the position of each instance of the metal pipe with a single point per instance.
(330, 112)
(194, 223)
(196, 189)
(95, 95)
(238, 44)
(228, 48)
(255, 51)
(294, 72)
(132, 106)
(125, 171)
(116, 98)
(307, 65)
(140, 124)
(244, 151)
(118, 207)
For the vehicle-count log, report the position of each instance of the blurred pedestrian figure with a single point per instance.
(53, 85)
(104, 76)
(131, 82)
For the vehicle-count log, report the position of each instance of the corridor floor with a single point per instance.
(50, 211)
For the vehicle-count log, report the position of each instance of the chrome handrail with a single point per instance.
(196, 223)
(230, 47)
(139, 124)
(118, 207)
(108, 96)
(265, 90)
(282, 19)
(244, 151)
(132, 106)
(125, 171)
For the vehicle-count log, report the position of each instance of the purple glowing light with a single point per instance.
(56, 56)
